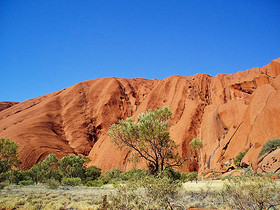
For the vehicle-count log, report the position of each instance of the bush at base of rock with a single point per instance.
(26, 182)
(270, 146)
(52, 184)
(94, 183)
(188, 176)
(71, 181)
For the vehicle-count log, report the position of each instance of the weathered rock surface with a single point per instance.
(269, 162)
(229, 112)
(6, 105)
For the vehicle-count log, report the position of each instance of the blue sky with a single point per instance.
(48, 45)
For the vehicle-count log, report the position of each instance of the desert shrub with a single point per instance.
(161, 193)
(92, 173)
(105, 179)
(25, 182)
(126, 197)
(238, 158)
(270, 146)
(251, 193)
(71, 181)
(52, 183)
(171, 173)
(148, 193)
(94, 183)
(188, 176)
(113, 173)
(3, 185)
(73, 166)
(134, 173)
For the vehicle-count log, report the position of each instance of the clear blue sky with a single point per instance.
(48, 45)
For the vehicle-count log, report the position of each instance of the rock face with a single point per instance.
(229, 113)
(6, 105)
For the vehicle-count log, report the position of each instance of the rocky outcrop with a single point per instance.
(6, 105)
(267, 163)
(229, 112)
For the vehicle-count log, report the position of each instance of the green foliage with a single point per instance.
(8, 155)
(50, 162)
(238, 158)
(148, 138)
(3, 185)
(25, 182)
(135, 173)
(196, 144)
(71, 181)
(270, 146)
(92, 173)
(190, 176)
(52, 183)
(45, 170)
(73, 166)
(113, 173)
(14, 176)
(171, 174)
(95, 183)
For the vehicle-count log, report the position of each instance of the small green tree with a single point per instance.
(148, 138)
(8, 155)
(196, 144)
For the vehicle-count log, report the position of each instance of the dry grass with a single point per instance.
(40, 197)
(200, 195)
(204, 185)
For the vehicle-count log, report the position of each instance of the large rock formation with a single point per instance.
(229, 112)
(6, 105)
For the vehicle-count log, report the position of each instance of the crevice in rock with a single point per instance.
(126, 98)
(135, 95)
(226, 146)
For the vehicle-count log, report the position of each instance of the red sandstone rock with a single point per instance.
(229, 112)
(6, 105)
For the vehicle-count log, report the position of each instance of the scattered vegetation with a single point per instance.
(270, 146)
(148, 138)
(8, 155)
(238, 158)
(75, 186)
(251, 193)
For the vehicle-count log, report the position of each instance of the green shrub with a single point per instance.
(94, 183)
(3, 185)
(135, 173)
(171, 174)
(52, 183)
(71, 181)
(92, 173)
(270, 146)
(190, 176)
(25, 182)
(239, 157)
(113, 173)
